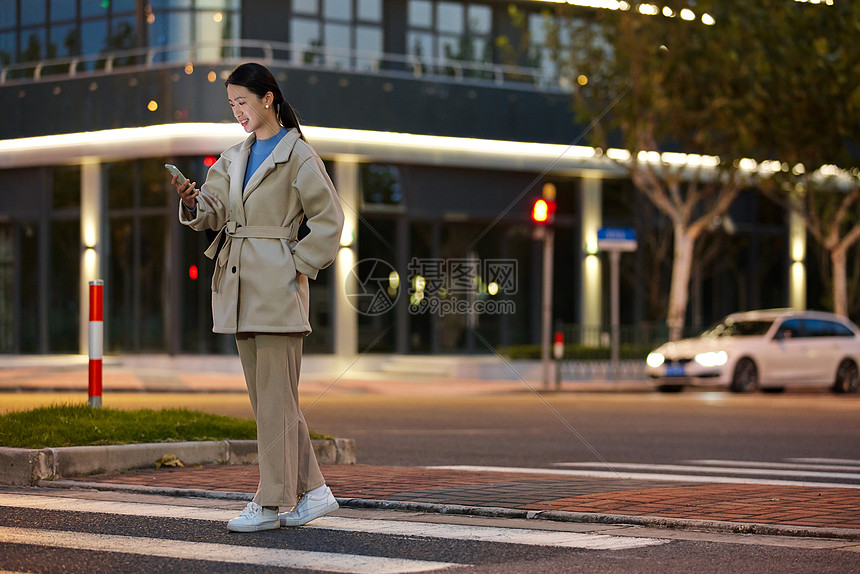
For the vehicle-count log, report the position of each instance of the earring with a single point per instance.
(267, 106)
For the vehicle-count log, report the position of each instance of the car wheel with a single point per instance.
(847, 378)
(670, 388)
(745, 378)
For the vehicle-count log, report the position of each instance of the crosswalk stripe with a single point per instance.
(112, 507)
(655, 476)
(488, 534)
(389, 527)
(769, 465)
(689, 468)
(826, 460)
(271, 557)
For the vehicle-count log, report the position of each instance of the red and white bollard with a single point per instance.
(97, 341)
(558, 346)
(558, 355)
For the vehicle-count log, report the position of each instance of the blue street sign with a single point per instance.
(616, 239)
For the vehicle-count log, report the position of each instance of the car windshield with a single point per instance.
(739, 329)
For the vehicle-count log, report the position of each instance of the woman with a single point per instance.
(256, 195)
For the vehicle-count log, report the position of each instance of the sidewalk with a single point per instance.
(738, 508)
(371, 374)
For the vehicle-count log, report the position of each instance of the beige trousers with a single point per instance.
(288, 466)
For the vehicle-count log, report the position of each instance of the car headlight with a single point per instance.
(712, 358)
(654, 360)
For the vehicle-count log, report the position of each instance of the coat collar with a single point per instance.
(239, 161)
(280, 154)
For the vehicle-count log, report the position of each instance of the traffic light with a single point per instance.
(542, 211)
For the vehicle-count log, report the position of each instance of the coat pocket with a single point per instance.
(220, 265)
(297, 287)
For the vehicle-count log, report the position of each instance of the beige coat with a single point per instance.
(260, 283)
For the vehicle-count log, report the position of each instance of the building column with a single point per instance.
(797, 252)
(591, 305)
(344, 323)
(91, 244)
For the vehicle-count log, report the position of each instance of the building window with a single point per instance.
(193, 22)
(93, 38)
(344, 34)
(558, 64)
(63, 270)
(381, 186)
(139, 209)
(540, 56)
(8, 14)
(66, 188)
(32, 45)
(7, 47)
(443, 32)
(63, 11)
(33, 13)
(64, 41)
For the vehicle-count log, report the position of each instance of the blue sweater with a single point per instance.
(260, 150)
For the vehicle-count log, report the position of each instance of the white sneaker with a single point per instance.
(310, 507)
(253, 519)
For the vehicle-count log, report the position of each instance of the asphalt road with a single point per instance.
(539, 430)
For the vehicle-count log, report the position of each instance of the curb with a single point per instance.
(496, 512)
(27, 467)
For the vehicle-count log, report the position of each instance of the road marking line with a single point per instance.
(643, 476)
(827, 460)
(708, 469)
(272, 557)
(389, 527)
(768, 465)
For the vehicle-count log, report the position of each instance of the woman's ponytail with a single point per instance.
(288, 118)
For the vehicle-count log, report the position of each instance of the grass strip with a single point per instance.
(81, 425)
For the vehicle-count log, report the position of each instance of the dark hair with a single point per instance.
(259, 80)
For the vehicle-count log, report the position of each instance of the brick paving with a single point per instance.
(797, 506)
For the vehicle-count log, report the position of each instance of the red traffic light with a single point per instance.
(542, 211)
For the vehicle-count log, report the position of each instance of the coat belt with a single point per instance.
(233, 230)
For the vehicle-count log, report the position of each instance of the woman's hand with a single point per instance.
(187, 192)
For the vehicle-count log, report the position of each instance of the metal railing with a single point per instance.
(588, 350)
(283, 54)
(601, 371)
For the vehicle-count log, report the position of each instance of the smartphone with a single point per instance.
(175, 171)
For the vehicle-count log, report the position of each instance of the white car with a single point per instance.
(768, 350)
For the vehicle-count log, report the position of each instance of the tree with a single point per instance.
(813, 83)
(652, 84)
(830, 209)
(718, 82)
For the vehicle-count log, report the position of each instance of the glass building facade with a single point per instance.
(361, 73)
(37, 30)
